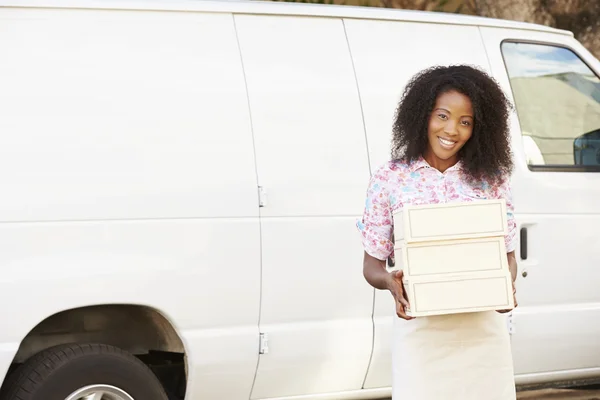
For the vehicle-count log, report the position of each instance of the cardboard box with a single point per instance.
(459, 294)
(467, 220)
(454, 257)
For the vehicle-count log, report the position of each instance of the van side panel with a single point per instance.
(128, 176)
(386, 55)
(120, 115)
(312, 161)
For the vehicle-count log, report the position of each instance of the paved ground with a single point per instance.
(564, 394)
(559, 394)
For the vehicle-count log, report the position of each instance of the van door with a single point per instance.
(554, 84)
(386, 54)
(312, 168)
(128, 134)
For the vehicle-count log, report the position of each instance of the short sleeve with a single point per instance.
(376, 225)
(504, 191)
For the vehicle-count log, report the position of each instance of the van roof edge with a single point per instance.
(283, 8)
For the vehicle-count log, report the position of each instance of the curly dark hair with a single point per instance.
(487, 154)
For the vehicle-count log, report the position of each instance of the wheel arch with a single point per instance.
(134, 328)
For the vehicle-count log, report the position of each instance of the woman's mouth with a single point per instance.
(446, 143)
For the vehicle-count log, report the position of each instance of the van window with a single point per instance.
(557, 98)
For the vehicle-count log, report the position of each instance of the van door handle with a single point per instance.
(523, 243)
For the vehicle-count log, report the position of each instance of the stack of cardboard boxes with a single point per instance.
(454, 257)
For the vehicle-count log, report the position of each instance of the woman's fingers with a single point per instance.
(400, 297)
(401, 306)
(401, 311)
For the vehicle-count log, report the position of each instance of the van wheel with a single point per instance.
(83, 372)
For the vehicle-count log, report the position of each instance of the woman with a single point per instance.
(450, 144)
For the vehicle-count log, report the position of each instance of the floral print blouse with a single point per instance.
(398, 183)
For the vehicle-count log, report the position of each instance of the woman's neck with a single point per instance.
(438, 163)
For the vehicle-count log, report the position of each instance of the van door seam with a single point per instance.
(485, 50)
(362, 113)
(239, 46)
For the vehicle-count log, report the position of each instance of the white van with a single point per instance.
(181, 179)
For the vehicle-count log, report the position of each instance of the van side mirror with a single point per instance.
(586, 148)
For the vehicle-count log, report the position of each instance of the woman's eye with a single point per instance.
(442, 116)
(466, 123)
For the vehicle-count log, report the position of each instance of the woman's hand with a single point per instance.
(377, 275)
(396, 287)
(514, 299)
(512, 266)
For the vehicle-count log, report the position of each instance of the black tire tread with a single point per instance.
(37, 368)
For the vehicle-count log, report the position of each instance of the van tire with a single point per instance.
(57, 372)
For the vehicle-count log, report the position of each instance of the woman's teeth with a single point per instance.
(447, 144)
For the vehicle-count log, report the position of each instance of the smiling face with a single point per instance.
(450, 127)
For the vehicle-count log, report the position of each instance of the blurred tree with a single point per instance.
(582, 17)
(424, 5)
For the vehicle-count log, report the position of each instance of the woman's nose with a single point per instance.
(450, 128)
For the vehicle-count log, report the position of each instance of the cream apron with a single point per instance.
(453, 357)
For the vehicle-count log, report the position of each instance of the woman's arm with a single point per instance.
(512, 265)
(503, 191)
(376, 227)
(375, 273)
